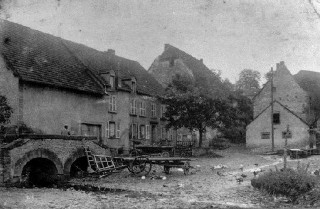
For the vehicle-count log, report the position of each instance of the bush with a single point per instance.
(287, 182)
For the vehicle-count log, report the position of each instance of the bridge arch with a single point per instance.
(37, 153)
(77, 155)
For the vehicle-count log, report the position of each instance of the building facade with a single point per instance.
(291, 107)
(51, 83)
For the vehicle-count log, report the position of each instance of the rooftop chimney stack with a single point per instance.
(201, 60)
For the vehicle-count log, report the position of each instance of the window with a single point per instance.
(91, 130)
(113, 129)
(265, 135)
(153, 110)
(163, 111)
(112, 81)
(143, 108)
(289, 135)
(148, 132)
(274, 89)
(133, 107)
(134, 87)
(276, 118)
(133, 131)
(112, 104)
(142, 132)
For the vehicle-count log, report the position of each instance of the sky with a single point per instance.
(229, 35)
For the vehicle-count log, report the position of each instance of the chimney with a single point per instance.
(281, 63)
(111, 52)
(278, 66)
(201, 60)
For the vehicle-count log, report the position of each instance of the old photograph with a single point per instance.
(159, 104)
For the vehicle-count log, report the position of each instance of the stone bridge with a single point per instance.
(61, 155)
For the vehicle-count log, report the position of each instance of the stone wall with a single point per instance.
(286, 90)
(62, 152)
(163, 71)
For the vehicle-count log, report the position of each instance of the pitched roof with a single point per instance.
(204, 77)
(98, 61)
(38, 57)
(310, 82)
(275, 101)
(42, 58)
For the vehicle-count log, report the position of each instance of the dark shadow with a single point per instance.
(39, 172)
(79, 167)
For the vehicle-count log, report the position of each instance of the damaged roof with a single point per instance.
(41, 58)
(202, 74)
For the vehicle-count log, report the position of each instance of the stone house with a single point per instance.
(295, 102)
(174, 61)
(51, 82)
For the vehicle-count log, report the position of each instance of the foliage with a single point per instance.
(268, 75)
(5, 111)
(238, 116)
(189, 107)
(248, 82)
(287, 182)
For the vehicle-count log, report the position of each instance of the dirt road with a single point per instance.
(206, 187)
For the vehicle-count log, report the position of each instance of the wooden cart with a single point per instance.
(102, 165)
(144, 164)
(152, 150)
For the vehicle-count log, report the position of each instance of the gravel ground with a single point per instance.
(203, 188)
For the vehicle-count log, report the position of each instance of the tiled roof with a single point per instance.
(41, 58)
(203, 75)
(310, 82)
(98, 61)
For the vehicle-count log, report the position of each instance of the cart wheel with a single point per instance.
(165, 154)
(186, 168)
(138, 165)
(166, 169)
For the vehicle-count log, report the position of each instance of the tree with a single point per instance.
(238, 115)
(268, 75)
(228, 85)
(5, 111)
(189, 107)
(248, 82)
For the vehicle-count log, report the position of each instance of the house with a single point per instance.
(295, 104)
(174, 61)
(51, 82)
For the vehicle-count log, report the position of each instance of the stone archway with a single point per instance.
(38, 153)
(79, 153)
